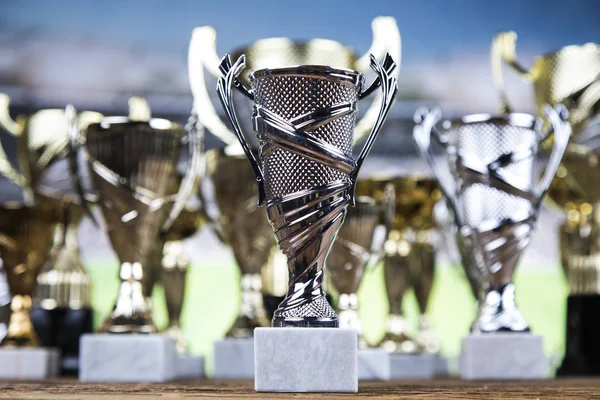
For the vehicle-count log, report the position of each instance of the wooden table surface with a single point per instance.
(438, 389)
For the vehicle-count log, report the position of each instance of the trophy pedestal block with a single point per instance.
(582, 350)
(373, 365)
(305, 360)
(29, 363)
(503, 356)
(189, 366)
(414, 366)
(234, 359)
(127, 358)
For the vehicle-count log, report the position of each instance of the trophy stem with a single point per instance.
(347, 306)
(131, 313)
(397, 338)
(251, 313)
(20, 332)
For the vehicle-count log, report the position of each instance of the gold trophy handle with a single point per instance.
(202, 55)
(503, 50)
(225, 87)
(386, 40)
(13, 128)
(193, 171)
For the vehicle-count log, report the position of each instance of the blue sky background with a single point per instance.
(431, 30)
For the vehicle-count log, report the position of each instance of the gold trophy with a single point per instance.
(349, 257)
(409, 256)
(132, 162)
(26, 234)
(245, 228)
(570, 76)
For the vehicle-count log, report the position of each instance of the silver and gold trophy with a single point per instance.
(304, 119)
(570, 76)
(495, 202)
(132, 163)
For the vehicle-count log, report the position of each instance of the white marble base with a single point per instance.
(127, 358)
(234, 359)
(305, 360)
(413, 366)
(189, 367)
(29, 363)
(503, 356)
(373, 365)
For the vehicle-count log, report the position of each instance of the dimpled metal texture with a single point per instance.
(290, 96)
(487, 142)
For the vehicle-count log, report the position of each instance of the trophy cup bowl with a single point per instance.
(409, 255)
(133, 169)
(282, 52)
(348, 258)
(304, 118)
(493, 197)
(26, 234)
(245, 228)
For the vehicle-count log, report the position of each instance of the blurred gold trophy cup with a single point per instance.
(409, 256)
(570, 76)
(245, 228)
(26, 234)
(349, 257)
(133, 166)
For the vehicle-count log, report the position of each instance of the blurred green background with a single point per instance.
(212, 299)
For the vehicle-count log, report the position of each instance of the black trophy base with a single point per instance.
(61, 328)
(582, 353)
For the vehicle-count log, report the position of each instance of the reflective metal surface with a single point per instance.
(25, 239)
(348, 258)
(284, 52)
(304, 119)
(493, 196)
(245, 228)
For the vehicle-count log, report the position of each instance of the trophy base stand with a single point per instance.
(234, 358)
(29, 363)
(189, 366)
(503, 356)
(582, 355)
(378, 364)
(305, 360)
(127, 358)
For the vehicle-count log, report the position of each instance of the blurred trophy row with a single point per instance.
(155, 185)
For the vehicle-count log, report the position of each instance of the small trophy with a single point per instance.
(570, 76)
(408, 262)
(495, 204)
(304, 118)
(132, 163)
(41, 143)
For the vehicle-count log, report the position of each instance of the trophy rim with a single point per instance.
(356, 78)
(161, 124)
(280, 41)
(523, 120)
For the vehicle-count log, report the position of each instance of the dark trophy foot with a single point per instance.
(135, 323)
(317, 313)
(499, 313)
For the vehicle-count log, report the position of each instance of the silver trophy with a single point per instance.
(493, 197)
(304, 119)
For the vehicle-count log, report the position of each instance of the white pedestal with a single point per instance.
(305, 360)
(29, 363)
(189, 367)
(373, 365)
(503, 356)
(413, 366)
(234, 359)
(127, 358)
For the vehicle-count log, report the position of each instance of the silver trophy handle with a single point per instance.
(558, 118)
(389, 86)
(225, 90)
(422, 134)
(386, 40)
(14, 129)
(193, 170)
(203, 55)
(75, 145)
(503, 50)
